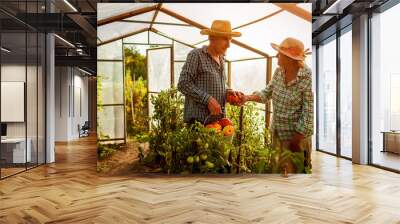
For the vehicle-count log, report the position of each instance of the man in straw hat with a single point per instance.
(292, 100)
(203, 79)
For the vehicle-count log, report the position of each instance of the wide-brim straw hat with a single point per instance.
(221, 28)
(292, 48)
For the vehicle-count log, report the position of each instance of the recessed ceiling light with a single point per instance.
(86, 72)
(5, 50)
(70, 5)
(64, 40)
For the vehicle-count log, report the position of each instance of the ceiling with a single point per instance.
(79, 27)
(332, 15)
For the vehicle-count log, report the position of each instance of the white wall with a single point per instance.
(62, 82)
(16, 73)
(71, 102)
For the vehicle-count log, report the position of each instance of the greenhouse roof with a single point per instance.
(259, 23)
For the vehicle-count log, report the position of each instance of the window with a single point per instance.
(385, 87)
(327, 96)
(346, 94)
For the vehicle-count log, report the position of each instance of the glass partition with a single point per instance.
(32, 98)
(15, 152)
(22, 77)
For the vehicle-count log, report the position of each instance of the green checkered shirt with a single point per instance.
(201, 78)
(292, 103)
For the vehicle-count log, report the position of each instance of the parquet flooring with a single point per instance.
(70, 191)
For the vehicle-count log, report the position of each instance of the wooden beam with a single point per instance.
(260, 19)
(240, 44)
(160, 23)
(155, 14)
(203, 41)
(295, 10)
(248, 59)
(200, 26)
(123, 36)
(126, 15)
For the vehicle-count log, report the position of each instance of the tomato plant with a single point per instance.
(178, 148)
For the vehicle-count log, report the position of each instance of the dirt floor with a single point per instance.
(124, 161)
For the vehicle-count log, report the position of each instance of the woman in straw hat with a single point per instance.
(292, 100)
(202, 79)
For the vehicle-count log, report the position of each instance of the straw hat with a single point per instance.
(221, 28)
(292, 48)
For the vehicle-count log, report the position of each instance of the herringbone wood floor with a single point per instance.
(70, 191)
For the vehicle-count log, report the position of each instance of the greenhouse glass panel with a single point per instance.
(203, 42)
(111, 122)
(111, 51)
(110, 75)
(159, 69)
(235, 52)
(228, 11)
(106, 10)
(274, 66)
(186, 34)
(249, 76)
(145, 17)
(164, 18)
(181, 51)
(118, 29)
(177, 71)
(158, 39)
(263, 33)
(140, 38)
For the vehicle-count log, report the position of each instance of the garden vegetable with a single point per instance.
(203, 156)
(190, 159)
(228, 130)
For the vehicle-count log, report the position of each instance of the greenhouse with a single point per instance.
(161, 36)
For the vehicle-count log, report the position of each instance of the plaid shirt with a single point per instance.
(201, 78)
(292, 103)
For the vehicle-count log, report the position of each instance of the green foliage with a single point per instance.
(106, 150)
(179, 149)
(168, 111)
(135, 92)
(193, 149)
(135, 63)
(252, 134)
(99, 80)
(176, 148)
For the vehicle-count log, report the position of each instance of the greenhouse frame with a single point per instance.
(167, 32)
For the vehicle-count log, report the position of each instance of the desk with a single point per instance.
(391, 141)
(13, 150)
